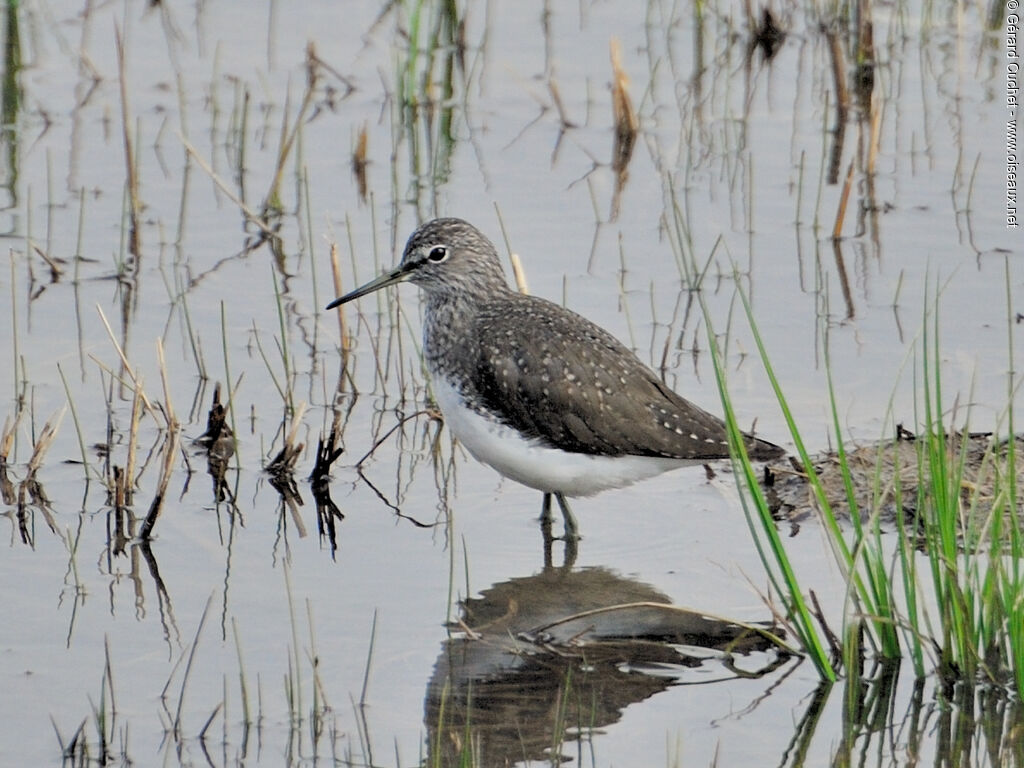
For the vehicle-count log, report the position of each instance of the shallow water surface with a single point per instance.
(264, 624)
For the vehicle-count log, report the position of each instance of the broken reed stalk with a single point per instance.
(296, 423)
(876, 134)
(166, 468)
(162, 363)
(7, 436)
(326, 454)
(169, 455)
(217, 428)
(44, 441)
(127, 367)
(131, 167)
(556, 99)
(55, 270)
(626, 122)
(844, 198)
(284, 462)
(519, 273)
(346, 340)
(7, 493)
(250, 215)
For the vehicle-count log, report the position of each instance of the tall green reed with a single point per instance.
(946, 584)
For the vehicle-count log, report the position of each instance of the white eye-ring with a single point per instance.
(438, 254)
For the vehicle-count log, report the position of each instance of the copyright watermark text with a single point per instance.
(1012, 108)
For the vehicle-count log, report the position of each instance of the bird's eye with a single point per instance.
(438, 254)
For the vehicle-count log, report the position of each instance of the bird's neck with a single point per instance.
(448, 332)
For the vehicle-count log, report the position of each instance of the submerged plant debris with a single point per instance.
(886, 478)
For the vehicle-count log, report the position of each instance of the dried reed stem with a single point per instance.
(166, 468)
(44, 441)
(626, 122)
(127, 367)
(844, 198)
(7, 436)
(346, 341)
(519, 273)
(250, 215)
(284, 462)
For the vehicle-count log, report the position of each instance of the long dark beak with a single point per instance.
(396, 275)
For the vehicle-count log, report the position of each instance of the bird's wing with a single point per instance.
(555, 376)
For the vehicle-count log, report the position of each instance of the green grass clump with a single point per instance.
(945, 588)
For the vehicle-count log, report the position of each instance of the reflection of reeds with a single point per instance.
(327, 512)
(131, 162)
(319, 705)
(283, 463)
(76, 751)
(359, 162)
(15, 353)
(426, 90)
(282, 471)
(133, 442)
(175, 719)
(167, 465)
(11, 98)
(842, 100)
(219, 443)
(962, 723)
(272, 201)
(243, 686)
(227, 371)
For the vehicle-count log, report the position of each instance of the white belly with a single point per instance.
(530, 463)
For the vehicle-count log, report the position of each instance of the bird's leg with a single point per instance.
(545, 529)
(570, 551)
(571, 529)
(545, 510)
(570, 538)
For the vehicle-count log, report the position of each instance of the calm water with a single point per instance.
(730, 177)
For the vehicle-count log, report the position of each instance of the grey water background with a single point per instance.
(733, 152)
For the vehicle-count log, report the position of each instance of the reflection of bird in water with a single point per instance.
(554, 656)
(536, 391)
